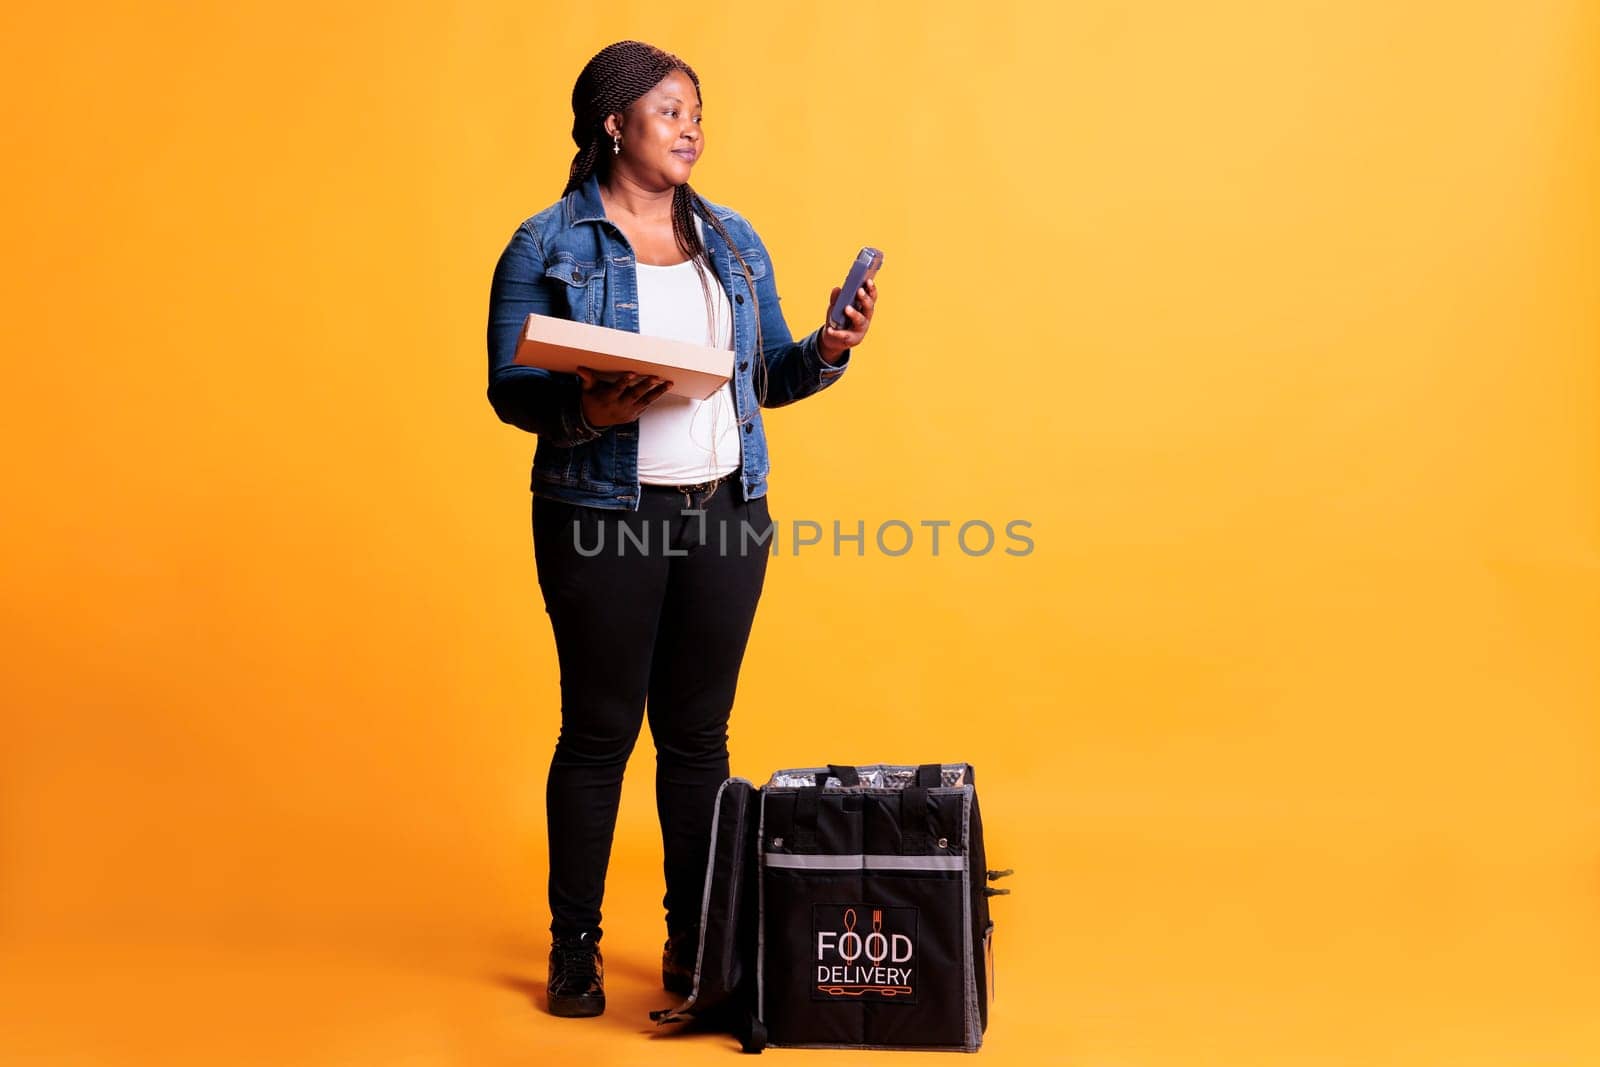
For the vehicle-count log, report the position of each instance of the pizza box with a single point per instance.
(696, 371)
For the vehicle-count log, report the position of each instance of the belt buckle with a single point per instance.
(688, 491)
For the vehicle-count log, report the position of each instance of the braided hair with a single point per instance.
(611, 81)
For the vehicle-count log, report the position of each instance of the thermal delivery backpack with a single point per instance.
(847, 907)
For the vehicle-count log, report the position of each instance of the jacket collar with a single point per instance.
(583, 204)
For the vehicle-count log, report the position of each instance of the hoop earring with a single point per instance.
(616, 144)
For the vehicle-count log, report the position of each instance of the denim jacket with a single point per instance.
(570, 261)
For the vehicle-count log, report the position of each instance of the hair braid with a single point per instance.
(611, 81)
(760, 372)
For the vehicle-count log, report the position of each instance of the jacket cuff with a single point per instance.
(825, 370)
(573, 423)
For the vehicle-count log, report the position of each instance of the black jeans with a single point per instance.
(651, 609)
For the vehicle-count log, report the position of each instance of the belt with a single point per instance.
(698, 487)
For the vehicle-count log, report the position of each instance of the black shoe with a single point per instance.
(677, 961)
(577, 986)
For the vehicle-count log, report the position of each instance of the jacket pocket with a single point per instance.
(755, 261)
(580, 283)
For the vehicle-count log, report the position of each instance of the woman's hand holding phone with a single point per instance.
(833, 342)
(850, 314)
(613, 399)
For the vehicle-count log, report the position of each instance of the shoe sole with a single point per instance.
(577, 1007)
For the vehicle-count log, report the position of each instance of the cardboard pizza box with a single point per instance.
(696, 371)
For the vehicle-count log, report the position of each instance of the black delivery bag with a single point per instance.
(847, 907)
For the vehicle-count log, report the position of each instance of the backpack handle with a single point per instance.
(914, 835)
(914, 831)
(847, 775)
(808, 801)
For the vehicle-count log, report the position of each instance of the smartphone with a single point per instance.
(866, 266)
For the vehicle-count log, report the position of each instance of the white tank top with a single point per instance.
(684, 441)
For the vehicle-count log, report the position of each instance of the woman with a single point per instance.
(648, 509)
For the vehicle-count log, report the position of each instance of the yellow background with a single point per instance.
(1278, 321)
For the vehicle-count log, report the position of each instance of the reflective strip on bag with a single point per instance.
(859, 862)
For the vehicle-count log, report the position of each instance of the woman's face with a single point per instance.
(661, 133)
